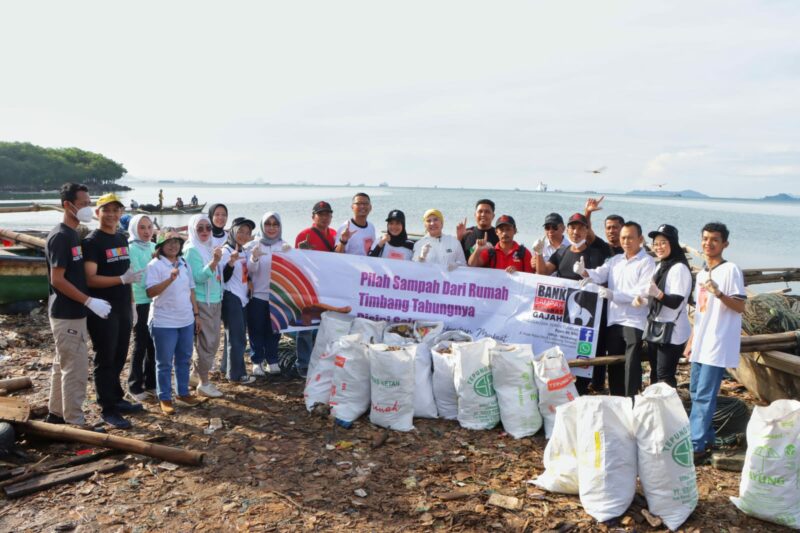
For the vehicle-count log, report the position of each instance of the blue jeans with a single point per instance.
(704, 386)
(172, 345)
(304, 341)
(234, 316)
(262, 339)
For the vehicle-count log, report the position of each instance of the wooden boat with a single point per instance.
(769, 375)
(23, 275)
(169, 210)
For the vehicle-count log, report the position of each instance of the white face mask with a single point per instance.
(84, 214)
(579, 244)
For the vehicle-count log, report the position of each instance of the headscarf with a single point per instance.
(215, 231)
(133, 231)
(401, 239)
(434, 212)
(264, 239)
(676, 255)
(205, 248)
(239, 221)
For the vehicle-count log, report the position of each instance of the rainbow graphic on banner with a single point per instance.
(290, 292)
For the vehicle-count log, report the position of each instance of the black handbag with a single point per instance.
(658, 332)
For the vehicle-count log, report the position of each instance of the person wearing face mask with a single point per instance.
(218, 214)
(235, 299)
(263, 339)
(357, 234)
(667, 321)
(628, 277)
(142, 376)
(436, 248)
(204, 260)
(109, 276)
(66, 307)
(394, 244)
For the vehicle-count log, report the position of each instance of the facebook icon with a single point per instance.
(587, 335)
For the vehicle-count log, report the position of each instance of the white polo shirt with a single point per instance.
(718, 329)
(627, 279)
(173, 307)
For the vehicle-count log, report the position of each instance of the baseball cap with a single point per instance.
(579, 218)
(238, 221)
(553, 218)
(670, 232)
(109, 198)
(396, 214)
(321, 207)
(505, 219)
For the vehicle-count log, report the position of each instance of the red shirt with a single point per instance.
(504, 260)
(315, 241)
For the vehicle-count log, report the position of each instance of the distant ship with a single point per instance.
(542, 187)
(384, 184)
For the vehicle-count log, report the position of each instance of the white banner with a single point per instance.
(521, 308)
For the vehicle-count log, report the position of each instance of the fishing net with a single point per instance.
(771, 313)
(729, 421)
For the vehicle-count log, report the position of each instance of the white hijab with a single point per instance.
(205, 248)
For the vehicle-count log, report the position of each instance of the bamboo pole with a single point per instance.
(28, 240)
(769, 338)
(71, 434)
(597, 361)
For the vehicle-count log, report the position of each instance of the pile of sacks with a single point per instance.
(601, 443)
(401, 371)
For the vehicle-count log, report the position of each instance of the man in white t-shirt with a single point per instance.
(716, 338)
(357, 235)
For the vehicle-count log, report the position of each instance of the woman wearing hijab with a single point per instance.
(394, 244)
(204, 258)
(235, 299)
(142, 377)
(435, 247)
(218, 214)
(667, 328)
(263, 340)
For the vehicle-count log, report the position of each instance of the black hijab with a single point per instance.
(238, 221)
(215, 231)
(676, 255)
(400, 240)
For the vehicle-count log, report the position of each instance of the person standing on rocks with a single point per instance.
(66, 308)
(109, 276)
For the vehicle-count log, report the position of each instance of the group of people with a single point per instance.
(175, 295)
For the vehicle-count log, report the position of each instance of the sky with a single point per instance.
(672, 94)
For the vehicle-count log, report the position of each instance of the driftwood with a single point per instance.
(75, 473)
(71, 434)
(14, 384)
(21, 473)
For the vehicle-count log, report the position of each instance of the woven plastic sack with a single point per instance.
(332, 326)
(555, 383)
(561, 454)
(444, 365)
(350, 390)
(477, 400)
(372, 330)
(517, 396)
(391, 377)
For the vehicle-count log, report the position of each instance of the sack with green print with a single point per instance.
(477, 401)
(512, 372)
(770, 486)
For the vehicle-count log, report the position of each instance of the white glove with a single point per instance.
(538, 246)
(579, 267)
(452, 266)
(639, 301)
(606, 293)
(423, 253)
(653, 290)
(132, 276)
(285, 247)
(584, 282)
(134, 314)
(99, 307)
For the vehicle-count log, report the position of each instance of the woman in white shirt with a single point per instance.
(394, 244)
(235, 299)
(172, 318)
(667, 322)
(436, 248)
(263, 340)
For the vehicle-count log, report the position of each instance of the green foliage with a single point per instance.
(27, 167)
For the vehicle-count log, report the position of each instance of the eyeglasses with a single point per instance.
(551, 226)
(203, 228)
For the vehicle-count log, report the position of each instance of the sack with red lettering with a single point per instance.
(561, 455)
(350, 391)
(426, 331)
(403, 334)
(372, 330)
(512, 377)
(332, 326)
(477, 400)
(555, 383)
(391, 374)
(444, 365)
(319, 381)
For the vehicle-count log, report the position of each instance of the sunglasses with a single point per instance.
(203, 228)
(551, 226)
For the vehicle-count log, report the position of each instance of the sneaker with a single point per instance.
(54, 419)
(124, 406)
(116, 420)
(274, 368)
(246, 380)
(209, 390)
(302, 372)
(166, 407)
(141, 396)
(258, 370)
(189, 400)
(194, 379)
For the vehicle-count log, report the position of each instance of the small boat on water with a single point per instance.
(146, 209)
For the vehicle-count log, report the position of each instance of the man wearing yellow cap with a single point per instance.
(435, 247)
(108, 275)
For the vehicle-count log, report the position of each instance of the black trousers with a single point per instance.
(664, 362)
(142, 376)
(599, 372)
(110, 339)
(625, 380)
